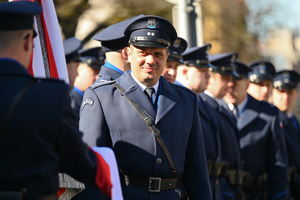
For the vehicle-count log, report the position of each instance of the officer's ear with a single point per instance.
(124, 53)
(28, 41)
(129, 54)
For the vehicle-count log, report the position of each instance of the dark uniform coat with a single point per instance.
(229, 144)
(110, 120)
(77, 100)
(291, 131)
(263, 148)
(212, 142)
(40, 138)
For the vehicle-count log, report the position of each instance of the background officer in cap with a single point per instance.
(150, 168)
(284, 97)
(194, 75)
(174, 59)
(219, 83)
(261, 79)
(71, 47)
(114, 44)
(261, 141)
(90, 60)
(39, 134)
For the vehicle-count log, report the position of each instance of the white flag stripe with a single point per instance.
(55, 39)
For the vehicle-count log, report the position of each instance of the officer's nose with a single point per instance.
(149, 59)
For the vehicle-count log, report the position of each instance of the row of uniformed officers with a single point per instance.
(201, 135)
(251, 146)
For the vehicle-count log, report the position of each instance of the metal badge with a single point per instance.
(151, 23)
(176, 43)
(253, 77)
(262, 68)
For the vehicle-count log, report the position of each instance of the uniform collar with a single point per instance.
(11, 66)
(208, 93)
(143, 87)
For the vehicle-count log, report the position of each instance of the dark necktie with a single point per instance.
(235, 113)
(150, 91)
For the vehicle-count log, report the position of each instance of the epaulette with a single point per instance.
(101, 83)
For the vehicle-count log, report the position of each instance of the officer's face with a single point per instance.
(170, 71)
(219, 84)
(86, 76)
(72, 72)
(147, 63)
(238, 92)
(198, 79)
(284, 99)
(261, 91)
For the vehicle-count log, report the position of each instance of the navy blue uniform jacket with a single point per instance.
(229, 144)
(110, 120)
(263, 148)
(291, 131)
(42, 137)
(212, 141)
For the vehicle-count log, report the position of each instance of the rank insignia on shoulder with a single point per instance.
(88, 101)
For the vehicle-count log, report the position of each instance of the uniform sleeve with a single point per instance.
(76, 158)
(92, 122)
(195, 175)
(277, 166)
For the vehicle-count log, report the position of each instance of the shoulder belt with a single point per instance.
(15, 101)
(153, 128)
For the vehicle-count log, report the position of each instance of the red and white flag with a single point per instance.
(48, 57)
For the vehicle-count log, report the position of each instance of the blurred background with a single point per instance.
(268, 29)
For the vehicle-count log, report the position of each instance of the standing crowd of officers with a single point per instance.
(183, 123)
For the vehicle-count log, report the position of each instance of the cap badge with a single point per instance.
(176, 43)
(151, 23)
(262, 68)
(233, 57)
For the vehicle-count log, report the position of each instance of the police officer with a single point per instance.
(261, 79)
(194, 75)
(156, 160)
(219, 82)
(114, 44)
(261, 141)
(174, 59)
(90, 60)
(71, 47)
(38, 134)
(284, 97)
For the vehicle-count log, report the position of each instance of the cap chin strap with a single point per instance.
(136, 40)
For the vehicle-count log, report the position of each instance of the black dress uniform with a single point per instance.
(290, 125)
(198, 57)
(222, 63)
(262, 148)
(39, 134)
(110, 120)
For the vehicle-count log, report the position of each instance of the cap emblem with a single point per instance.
(176, 43)
(253, 77)
(151, 23)
(262, 68)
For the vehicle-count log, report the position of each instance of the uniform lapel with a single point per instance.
(136, 94)
(251, 112)
(202, 110)
(167, 99)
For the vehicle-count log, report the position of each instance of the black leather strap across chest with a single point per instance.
(153, 128)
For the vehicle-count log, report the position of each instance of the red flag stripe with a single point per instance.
(103, 179)
(51, 60)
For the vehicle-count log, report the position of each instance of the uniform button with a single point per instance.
(243, 162)
(218, 158)
(159, 161)
(217, 182)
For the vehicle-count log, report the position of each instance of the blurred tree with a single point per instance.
(224, 26)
